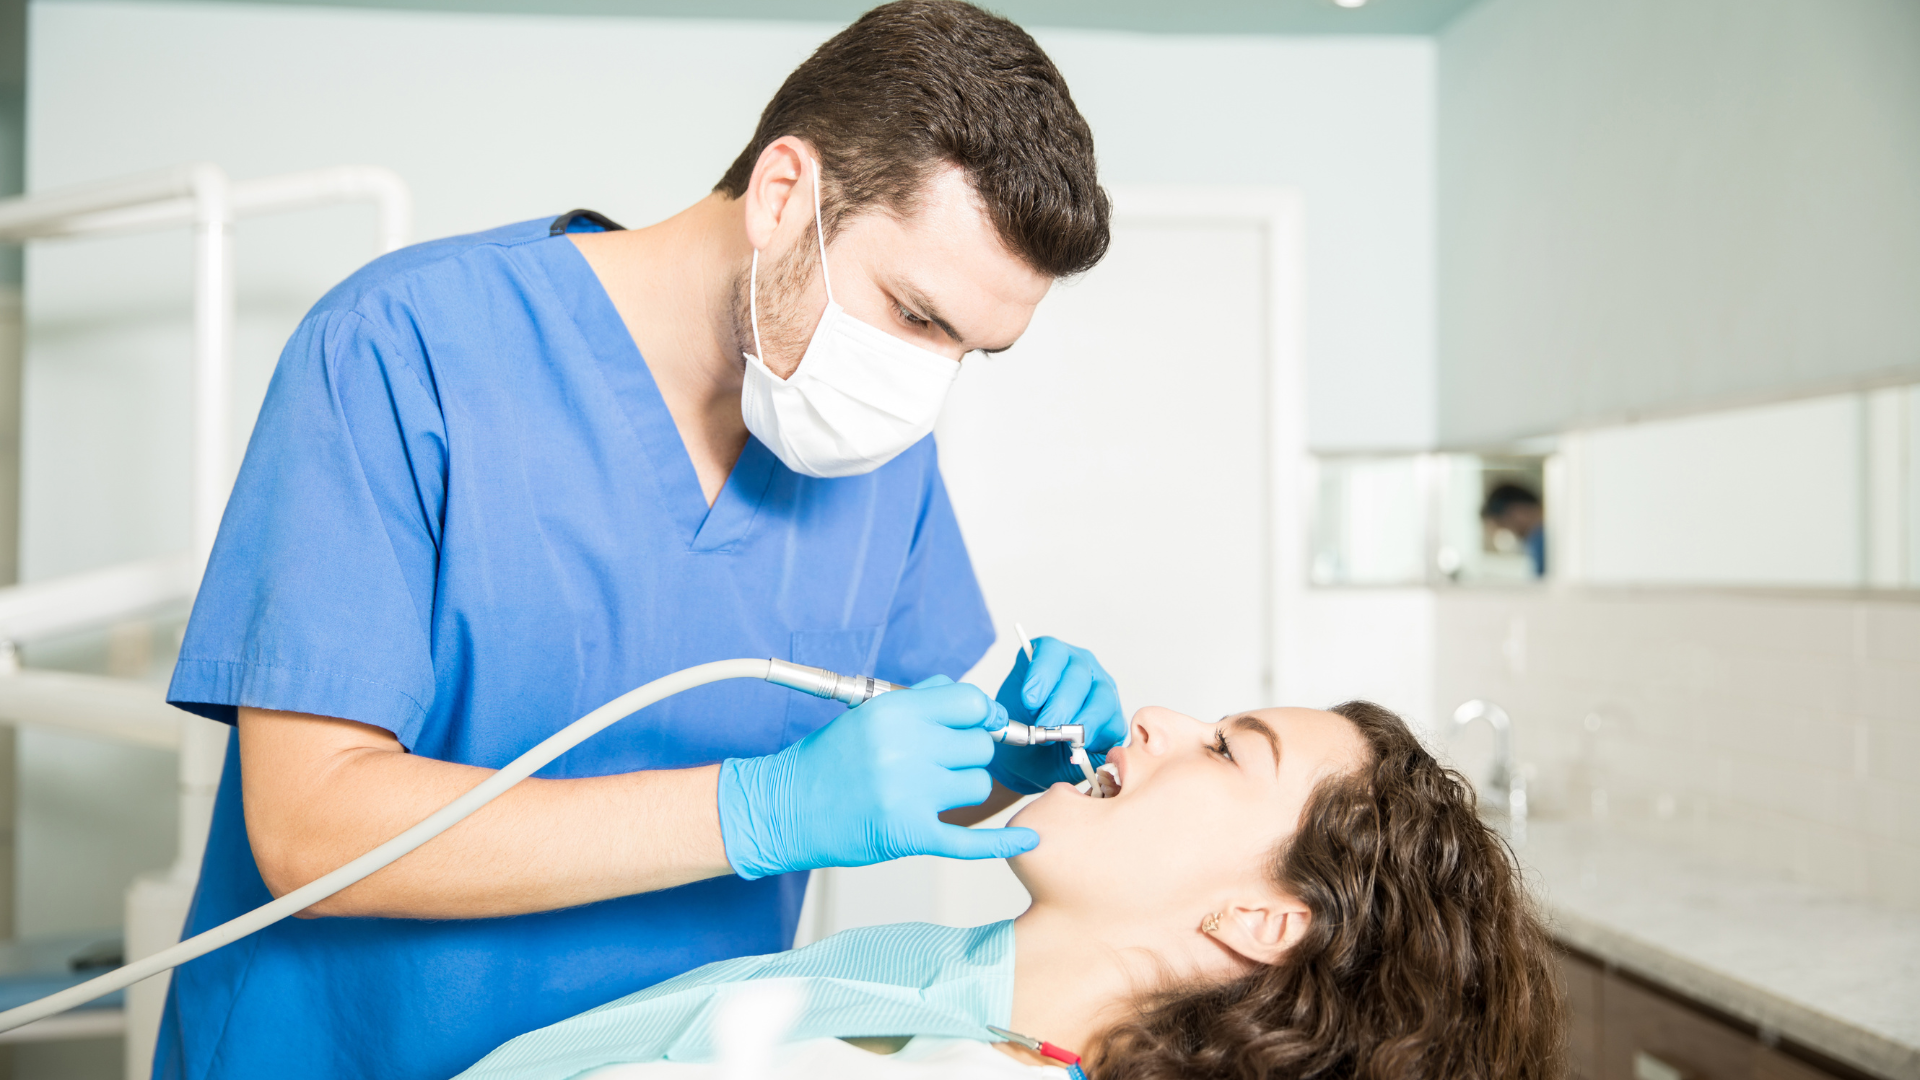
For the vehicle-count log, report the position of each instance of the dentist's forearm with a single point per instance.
(320, 792)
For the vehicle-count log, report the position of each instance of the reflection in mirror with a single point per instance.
(1492, 523)
(1417, 519)
(1823, 492)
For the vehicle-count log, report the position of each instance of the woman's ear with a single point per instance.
(778, 186)
(1261, 933)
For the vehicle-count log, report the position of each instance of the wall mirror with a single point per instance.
(1439, 518)
(1820, 492)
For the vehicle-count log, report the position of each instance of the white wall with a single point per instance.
(495, 118)
(1772, 731)
(1346, 121)
(1650, 204)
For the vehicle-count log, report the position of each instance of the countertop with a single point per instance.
(1837, 975)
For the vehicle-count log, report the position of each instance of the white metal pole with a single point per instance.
(203, 743)
(157, 907)
(212, 357)
(322, 187)
(54, 213)
(200, 196)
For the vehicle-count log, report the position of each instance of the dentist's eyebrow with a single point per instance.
(1259, 727)
(918, 300)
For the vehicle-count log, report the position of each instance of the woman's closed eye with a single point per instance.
(910, 318)
(1220, 744)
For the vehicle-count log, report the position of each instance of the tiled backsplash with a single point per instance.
(1775, 731)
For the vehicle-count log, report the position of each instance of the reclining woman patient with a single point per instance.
(1285, 893)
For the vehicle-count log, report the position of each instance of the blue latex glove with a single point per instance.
(869, 787)
(1063, 685)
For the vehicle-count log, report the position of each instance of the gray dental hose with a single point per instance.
(850, 689)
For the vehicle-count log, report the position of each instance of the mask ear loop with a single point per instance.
(753, 306)
(753, 273)
(819, 230)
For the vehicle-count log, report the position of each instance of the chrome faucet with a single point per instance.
(1507, 778)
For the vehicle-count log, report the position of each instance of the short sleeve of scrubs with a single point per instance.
(323, 577)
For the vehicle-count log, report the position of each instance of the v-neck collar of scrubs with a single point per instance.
(728, 520)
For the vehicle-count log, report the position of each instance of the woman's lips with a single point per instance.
(1110, 779)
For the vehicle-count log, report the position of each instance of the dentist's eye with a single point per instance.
(911, 319)
(1220, 745)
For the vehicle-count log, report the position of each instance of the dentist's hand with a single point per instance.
(868, 787)
(1063, 685)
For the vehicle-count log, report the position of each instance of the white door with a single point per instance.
(1110, 470)
(1112, 476)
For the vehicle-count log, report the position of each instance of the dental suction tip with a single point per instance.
(1079, 757)
(1025, 642)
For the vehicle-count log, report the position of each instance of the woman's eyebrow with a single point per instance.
(1259, 727)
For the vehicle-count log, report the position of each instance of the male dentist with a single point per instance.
(500, 479)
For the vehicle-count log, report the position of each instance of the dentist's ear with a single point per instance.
(1262, 933)
(778, 185)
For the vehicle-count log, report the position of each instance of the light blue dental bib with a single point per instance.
(906, 979)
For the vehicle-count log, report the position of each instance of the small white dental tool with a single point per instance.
(1078, 751)
(1078, 755)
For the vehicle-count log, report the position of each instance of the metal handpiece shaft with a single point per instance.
(1019, 734)
(851, 690)
(855, 690)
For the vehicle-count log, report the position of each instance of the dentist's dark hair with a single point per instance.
(918, 84)
(1423, 957)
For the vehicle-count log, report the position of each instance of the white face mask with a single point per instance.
(859, 397)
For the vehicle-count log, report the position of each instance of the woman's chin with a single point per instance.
(1062, 813)
(1074, 830)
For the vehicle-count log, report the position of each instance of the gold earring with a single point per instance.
(1210, 924)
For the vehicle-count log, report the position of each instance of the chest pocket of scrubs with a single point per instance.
(849, 652)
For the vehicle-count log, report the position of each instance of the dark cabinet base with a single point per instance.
(1623, 1028)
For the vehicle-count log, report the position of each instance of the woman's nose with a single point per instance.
(1151, 727)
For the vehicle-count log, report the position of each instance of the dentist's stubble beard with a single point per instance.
(786, 326)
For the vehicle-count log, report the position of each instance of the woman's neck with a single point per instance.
(1074, 977)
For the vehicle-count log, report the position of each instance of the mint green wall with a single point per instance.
(1153, 16)
(1650, 205)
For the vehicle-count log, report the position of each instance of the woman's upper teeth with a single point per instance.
(1110, 773)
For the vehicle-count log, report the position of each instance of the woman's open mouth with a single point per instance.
(1107, 779)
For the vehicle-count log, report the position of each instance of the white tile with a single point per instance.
(1893, 753)
(1889, 692)
(1890, 632)
(1752, 717)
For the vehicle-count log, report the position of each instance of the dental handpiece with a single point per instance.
(859, 689)
(851, 689)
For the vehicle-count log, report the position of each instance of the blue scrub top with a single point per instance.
(466, 517)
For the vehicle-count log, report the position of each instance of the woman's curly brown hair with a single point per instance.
(1423, 957)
